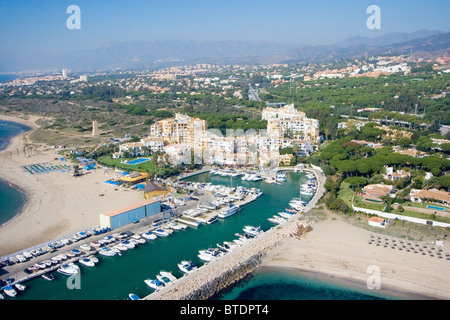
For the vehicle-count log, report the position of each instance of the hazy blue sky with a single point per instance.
(39, 27)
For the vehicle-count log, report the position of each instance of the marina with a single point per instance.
(117, 250)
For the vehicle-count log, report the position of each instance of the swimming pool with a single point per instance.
(138, 161)
(436, 208)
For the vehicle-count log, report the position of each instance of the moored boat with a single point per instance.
(228, 211)
(87, 262)
(149, 235)
(209, 254)
(107, 252)
(68, 269)
(9, 291)
(187, 266)
(48, 277)
(154, 284)
(252, 231)
(160, 232)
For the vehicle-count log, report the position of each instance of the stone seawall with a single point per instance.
(225, 271)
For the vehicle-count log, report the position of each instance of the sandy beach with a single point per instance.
(57, 203)
(337, 249)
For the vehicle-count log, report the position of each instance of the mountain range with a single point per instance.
(148, 54)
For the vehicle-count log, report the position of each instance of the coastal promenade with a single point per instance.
(233, 266)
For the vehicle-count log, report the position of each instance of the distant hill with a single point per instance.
(431, 46)
(140, 54)
(387, 39)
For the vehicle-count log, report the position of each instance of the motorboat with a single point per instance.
(132, 296)
(93, 259)
(160, 232)
(107, 252)
(128, 244)
(9, 291)
(227, 246)
(40, 265)
(241, 239)
(213, 219)
(149, 235)
(176, 226)
(87, 262)
(228, 211)
(48, 277)
(85, 247)
(120, 247)
(20, 287)
(252, 231)
(68, 269)
(187, 266)
(154, 284)
(209, 254)
(166, 277)
(277, 219)
(70, 254)
(76, 251)
(285, 215)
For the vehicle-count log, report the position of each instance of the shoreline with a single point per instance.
(11, 143)
(57, 203)
(385, 292)
(17, 214)
(338, 251)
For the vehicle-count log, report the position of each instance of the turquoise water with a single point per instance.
(437, 208)
(11, 199)
(116, 277)
(138, 161)
(282, 284)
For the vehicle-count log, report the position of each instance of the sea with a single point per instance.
(7, 77)
(12, 200)
(114, 278)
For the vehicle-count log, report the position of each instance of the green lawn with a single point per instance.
(148, 166)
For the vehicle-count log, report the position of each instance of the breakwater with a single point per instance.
(227, 270)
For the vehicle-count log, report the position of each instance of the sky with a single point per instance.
(30, 29)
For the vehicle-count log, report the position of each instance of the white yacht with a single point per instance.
(128, 244)
(20, 287)
(166, 277)
(69, 269)
(9, 291)
(154, 284)
(187, 266)
(227, 246)
(277, 219)
(285, 215)
(160, 232)
(209, 254)
(107, 252)
(93, 259)
(133, 296)
(228, 211)
(87, 262)
(252, 231)
(149, 235)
